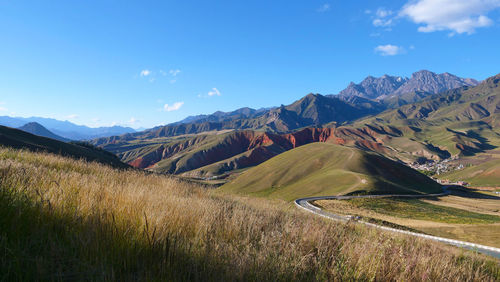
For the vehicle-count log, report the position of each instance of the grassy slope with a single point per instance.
(62, 219)
(458, 118)
(328, 169)
(19, 139)
(486, 174)
(417, 209)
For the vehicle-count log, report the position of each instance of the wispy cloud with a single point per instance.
(133, 121)
(174, 107)
(213, 92)
(383, 17)
(145, 73)
(324, 8)
(72, 116)
(157, 75)
(2, 108)
(389, 50)
(174, 73)
(457, 16)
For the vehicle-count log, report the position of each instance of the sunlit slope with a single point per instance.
(328, 169)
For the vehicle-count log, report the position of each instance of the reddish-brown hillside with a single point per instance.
(241, 149)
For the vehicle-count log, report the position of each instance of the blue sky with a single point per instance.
(145, 63)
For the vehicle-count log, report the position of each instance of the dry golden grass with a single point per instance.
(62, 219)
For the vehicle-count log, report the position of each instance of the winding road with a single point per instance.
(305, 204)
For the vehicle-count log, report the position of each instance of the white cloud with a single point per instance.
(324, 8)
(174, 107)
(146, 72)
(458, 16)
(383, 18)
(73, 116)
(389, 50)
(213, 92)
(3, 109)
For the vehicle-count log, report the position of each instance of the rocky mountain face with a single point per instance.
(433, 83)
(374, 87)
(424, 81)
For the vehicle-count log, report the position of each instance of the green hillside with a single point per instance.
(327, 169)
(464, 122)
(18, 139)
(484, 174)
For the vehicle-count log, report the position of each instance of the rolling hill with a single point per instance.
(18, 139)
(329, 169)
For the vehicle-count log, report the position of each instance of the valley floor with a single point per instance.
(466, 216)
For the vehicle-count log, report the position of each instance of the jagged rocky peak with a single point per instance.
(387, 85)
(430, 82)
(373, 87)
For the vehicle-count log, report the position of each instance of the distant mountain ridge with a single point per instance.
(66, 129)
(219, 116)
(311, 110)
(372, 96)
(37, 129)
(378, 88)
(459, 122)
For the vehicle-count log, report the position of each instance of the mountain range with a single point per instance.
(66, 129)
(462, 121)
(370, 97)
(378, 88)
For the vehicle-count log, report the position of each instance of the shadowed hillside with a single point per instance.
(38, 129)
(14, 138)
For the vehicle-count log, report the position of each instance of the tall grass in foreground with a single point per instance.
(62, 219)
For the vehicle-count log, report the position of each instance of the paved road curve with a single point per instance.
(304, 204)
